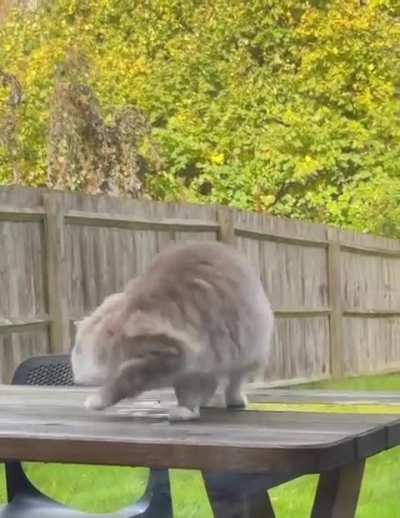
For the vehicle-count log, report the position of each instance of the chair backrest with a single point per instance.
(55, 369)
(49, 369)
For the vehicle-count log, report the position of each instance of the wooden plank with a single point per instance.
(335, 302)
(338, 492)
(226, 232)
(20, 326)
(290, 256)
(301, 348)
(351, 237)
(315, 396)
(40, 447)
(23, 297)
(292, 382)
(295, 279)
(98, 219)
(279, 238)
(371, 345)
(359, 249)
(371, 299)
(21, 215)
(371, 313)
(56, 268)
(301, 311)
(272, 429)
(148, 423)
(52, 425)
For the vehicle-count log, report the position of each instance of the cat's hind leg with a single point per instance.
(235, 396)
(192, 392)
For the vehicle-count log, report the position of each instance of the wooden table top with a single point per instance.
(51, 425)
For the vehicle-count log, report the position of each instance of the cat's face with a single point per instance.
(94, 356)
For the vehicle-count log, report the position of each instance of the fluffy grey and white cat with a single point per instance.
(198, 315)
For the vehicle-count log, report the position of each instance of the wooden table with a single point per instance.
(241, 453)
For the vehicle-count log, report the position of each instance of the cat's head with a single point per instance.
(95, 352)
(114, 334)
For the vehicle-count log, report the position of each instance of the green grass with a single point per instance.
(103, 489)
(387, 382)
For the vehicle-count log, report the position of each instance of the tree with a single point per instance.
(287, 107)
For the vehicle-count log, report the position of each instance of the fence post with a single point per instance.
(226, 233)
(335, 303)
(56, 267)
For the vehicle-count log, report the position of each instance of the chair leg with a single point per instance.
(157, 498)
(17, 482)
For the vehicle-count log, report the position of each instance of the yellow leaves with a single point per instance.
(42, 62)
(265, 201)
(217, 158)
(140, 64)
(8, 47)
(372, 96)
(119, 65)
(308, 22)
(306, 166)
(365, 100)
(4, 95)
(343, 17)
(184, 119)
(87, 27)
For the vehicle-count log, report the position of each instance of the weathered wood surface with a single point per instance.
(336, 303)
(295, 276)
(56, 281)
(109, 240)
(43, 424)
(23, 297)
(314, 396)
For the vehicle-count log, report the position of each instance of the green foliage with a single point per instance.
(288, 107)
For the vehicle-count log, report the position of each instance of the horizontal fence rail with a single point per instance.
(15, 326)
(120, 221)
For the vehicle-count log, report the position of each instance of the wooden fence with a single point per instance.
(336, 294)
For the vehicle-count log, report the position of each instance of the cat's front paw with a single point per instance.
(182, 413)
(96, 402)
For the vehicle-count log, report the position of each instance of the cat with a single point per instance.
(196, 317)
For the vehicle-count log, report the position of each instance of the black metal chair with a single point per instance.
(25, 500)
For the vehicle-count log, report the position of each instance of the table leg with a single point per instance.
(338, 491)
(238, 496)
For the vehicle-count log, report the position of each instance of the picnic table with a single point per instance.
(240, 453)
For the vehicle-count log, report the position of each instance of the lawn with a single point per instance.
(102, 489)
(386, 382)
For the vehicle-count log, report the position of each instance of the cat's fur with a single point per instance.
(198, 315)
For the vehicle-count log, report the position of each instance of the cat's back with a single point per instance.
(210, 292)
(210, 277)
(206, 260)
